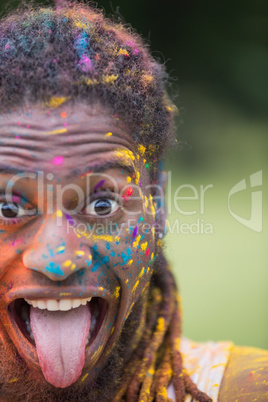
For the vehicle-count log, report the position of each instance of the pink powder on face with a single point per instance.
(58, 160)
(16, 198)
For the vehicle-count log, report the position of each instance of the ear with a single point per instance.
(161, 204)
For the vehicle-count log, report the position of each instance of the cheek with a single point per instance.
(129, 255)
(10, 248)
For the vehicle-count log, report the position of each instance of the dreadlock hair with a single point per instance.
(71, 53)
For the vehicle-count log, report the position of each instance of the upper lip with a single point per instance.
(58, 293)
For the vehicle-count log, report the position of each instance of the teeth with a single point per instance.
(41, 304)
(57, 305)
(65, 305)
(52, 305)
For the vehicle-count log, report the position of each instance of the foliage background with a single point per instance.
(217, 56)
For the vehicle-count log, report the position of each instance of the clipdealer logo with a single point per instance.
(255, 220)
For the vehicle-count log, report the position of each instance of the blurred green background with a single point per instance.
(217, 58)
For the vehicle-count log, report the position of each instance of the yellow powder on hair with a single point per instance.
(56, 101)
(141, 149)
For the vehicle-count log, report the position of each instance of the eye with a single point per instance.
(12, 210)
(102, 207)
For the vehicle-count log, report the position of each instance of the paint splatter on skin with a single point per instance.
(128, 193)
(59, 131)
(135, 232)
(58, 160)
(99, 184)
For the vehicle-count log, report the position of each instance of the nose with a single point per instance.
(56, 251)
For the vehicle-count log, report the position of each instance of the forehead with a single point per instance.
(64, 139)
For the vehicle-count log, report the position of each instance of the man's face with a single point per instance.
(77, 227)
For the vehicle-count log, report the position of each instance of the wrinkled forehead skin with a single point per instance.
(57, 165)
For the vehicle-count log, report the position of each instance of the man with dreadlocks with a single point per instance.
(89, 307)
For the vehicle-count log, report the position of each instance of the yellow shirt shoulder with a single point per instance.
(245, 378)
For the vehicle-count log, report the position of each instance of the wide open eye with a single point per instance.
(102, 207)
(12, 210)
(9, 210)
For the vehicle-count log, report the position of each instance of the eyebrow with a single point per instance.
(94, 168)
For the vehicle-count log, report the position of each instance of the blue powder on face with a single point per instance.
(55, 269)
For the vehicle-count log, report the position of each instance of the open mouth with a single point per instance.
(62, 332)
(19, 310)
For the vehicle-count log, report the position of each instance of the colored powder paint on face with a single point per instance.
(59, 213)
(51, 252)
(99, 184)
(147, 252)
(141, 219)
(15, 242)
(59, 131)
(136, 242)
(108, 134)
(80, 253)
(67, 263)
(144, 246)
(126, 256)
(60, 250)
(55, 269)
(95, 267)
(70, 220)
(58, 160)
(135, 232)
(127, 193)
(89, 261)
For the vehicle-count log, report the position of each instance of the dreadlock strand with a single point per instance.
(137, 356)
(163, 377)
(163, 323)
(192, 389)
(145, 394)
(176, 356)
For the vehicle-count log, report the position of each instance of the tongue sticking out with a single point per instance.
(60, 338)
